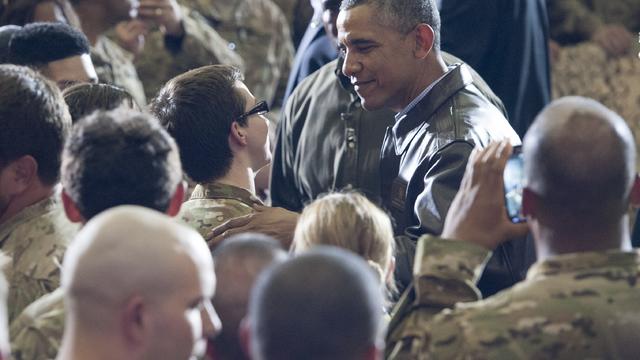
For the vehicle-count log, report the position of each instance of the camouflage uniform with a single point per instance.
(164, 58)
(258, 31)
(212, 204)
(37, 332)
(35, 239)
(573, 306)
(584, 68)
(114, 65)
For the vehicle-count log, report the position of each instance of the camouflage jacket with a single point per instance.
(258, 31)
(164, 58)
(581, 305)
(37, 332)
(114, 65)
(35, 240)
(573, 21)
(212, 204)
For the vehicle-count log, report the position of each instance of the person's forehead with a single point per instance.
(244, 91)
(359, 22)
(77, 68)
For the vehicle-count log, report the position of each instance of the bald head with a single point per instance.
(135, 263)
(323, 304)
(238, 262)
(580, 159)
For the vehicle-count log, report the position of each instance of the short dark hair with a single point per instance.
(323, 304)
(119, 157)
(38, 44)
(85, 98)
(34, 120)
(6, 32)
(403, 15)
(198, 108)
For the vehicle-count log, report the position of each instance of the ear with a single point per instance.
(176, 200)
(529, 202)
(373, 353)
(70, 208)
(22, 173)
(391, 270)
(634, 198)
(238, 134)
(424, 36)
(134, 322)
(244, 335)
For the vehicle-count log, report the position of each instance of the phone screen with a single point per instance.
(513, 185)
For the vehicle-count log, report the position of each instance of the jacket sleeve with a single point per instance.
(445, 274)
(443, 175)
(283, 187)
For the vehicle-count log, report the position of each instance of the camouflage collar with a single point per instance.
(223, 191)
(30, 212)
(586, 263)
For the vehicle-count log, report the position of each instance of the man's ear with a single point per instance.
(634, 198)
(134, 321)
(70, 209)
(373, 352)
(529, 202)
(244, 335)
(425, 37)
(176, 199)
(22, 173)
(237, 135)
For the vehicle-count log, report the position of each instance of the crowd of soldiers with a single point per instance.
(318, 179)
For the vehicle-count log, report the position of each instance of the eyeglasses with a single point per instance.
(260, 108)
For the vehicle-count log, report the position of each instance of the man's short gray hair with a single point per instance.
(403, 15)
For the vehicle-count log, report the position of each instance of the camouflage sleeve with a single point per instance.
(35, 269)
(445, 273)
(114, 65)
(25, 289)
(37, 332)
(572, 21)
(200, 46)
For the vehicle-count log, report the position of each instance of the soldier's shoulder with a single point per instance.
(37, 332)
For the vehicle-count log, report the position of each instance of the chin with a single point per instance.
(371, 105)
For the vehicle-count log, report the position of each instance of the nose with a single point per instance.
(211, 324)
(351, 66)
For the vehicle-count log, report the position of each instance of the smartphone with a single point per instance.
(513, 185)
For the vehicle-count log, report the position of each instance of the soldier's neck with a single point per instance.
(569, 240)
(240, 175)
(35, 193)
(77, 346)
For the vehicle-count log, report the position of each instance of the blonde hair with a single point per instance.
(349, 221)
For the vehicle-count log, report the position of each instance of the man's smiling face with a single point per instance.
(379, 60)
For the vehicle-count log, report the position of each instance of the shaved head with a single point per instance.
(323, 304)
(133, 255)
(238, 262)
(580, 158)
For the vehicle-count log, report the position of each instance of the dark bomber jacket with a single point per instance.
(425, 154)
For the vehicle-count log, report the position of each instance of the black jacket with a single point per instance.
(425, 154)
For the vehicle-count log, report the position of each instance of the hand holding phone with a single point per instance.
(513, 185)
